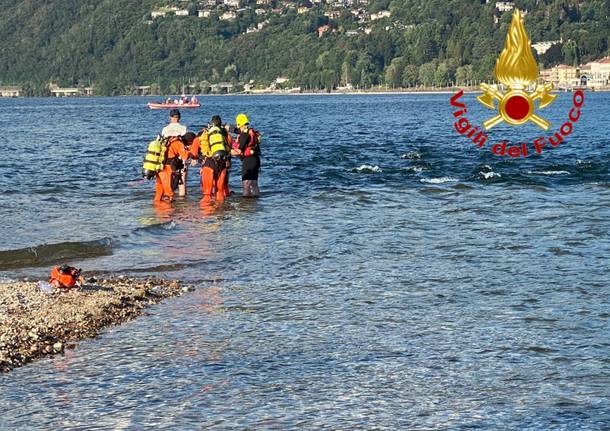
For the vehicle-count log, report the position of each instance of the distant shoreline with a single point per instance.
(346, 93)
(376, 92)
(449, 90)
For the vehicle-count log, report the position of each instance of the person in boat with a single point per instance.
(246, 147)
(212, 148)
(193, 100)
(174, 128)
(168, 177)
(168, 101)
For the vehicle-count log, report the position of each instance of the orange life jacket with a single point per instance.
(64, 276)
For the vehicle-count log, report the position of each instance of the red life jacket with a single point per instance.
(252, 147)
(64, 276)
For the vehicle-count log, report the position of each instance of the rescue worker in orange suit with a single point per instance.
(246, 147)
(212, 148)
(169, 177)
(175, 128)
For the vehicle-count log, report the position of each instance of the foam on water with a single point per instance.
(440, 180)
(368, 169)
(549, 172)
(491, 174)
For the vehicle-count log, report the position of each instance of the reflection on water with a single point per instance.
(438, 287)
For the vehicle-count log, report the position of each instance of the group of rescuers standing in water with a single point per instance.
(212, 147)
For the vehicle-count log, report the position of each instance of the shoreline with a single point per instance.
(34, 324)
(375, 92)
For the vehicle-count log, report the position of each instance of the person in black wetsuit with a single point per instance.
(246, 147)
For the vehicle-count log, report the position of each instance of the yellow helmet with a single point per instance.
(241, 120)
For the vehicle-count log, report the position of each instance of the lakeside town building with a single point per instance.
(57, 91)
(593, 75)
(10, 91)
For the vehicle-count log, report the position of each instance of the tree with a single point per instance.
(393, 73)
(349, 74)
(329, 79)
(426, 73)
(89, 41)
(442, 75)
(230, 72)
(366, 71)
(570, 53)
(192, 8)
(554, 55)
(464, 75)
(410, 76)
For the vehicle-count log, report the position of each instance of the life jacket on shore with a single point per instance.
(65, 277)
(252, 149)
(154, 158)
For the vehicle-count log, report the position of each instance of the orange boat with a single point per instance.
(182, 103)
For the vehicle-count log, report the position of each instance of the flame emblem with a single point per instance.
(517, 71)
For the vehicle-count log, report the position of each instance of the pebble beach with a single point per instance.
(34, 323)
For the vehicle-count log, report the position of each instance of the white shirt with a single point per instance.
(173, 129)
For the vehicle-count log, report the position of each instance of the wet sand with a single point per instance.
(35, 324)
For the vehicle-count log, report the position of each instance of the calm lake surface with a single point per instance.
(392, 276)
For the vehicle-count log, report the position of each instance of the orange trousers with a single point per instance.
(163, 187)
(209, 182)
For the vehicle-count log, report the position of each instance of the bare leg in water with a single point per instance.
(182, 187)
(254, 189)
(246, 185)
(251, 188)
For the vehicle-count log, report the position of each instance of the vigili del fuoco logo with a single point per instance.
(517, 72)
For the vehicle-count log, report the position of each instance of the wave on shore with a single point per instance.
(54, 253)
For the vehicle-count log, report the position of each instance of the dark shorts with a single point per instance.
(250, 167)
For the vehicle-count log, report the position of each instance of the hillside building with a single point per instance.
(10, 91)
(542, 47)
(505, 6)
(323, 29)
(380, 14)
(228, 16)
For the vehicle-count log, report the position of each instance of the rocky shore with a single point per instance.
(34, 323)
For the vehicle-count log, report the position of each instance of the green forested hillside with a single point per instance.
(115, 45)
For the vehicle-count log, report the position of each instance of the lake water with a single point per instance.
(392, 276)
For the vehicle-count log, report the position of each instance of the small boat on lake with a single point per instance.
(182, 103)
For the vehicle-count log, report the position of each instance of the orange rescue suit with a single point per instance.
(212, 176)
(163, 188)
